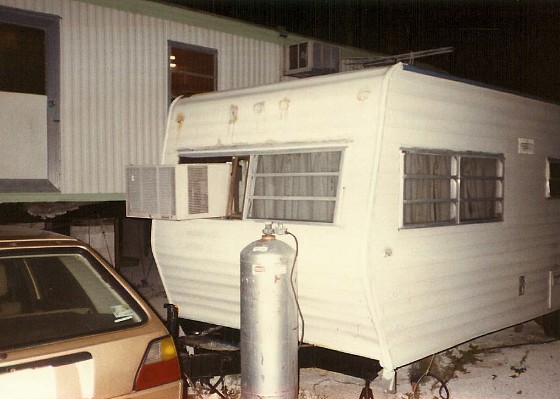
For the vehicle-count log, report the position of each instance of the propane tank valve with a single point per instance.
(268, 232)
(268, 229)
(271, 228)
(279, 229)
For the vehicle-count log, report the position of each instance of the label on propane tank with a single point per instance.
(260, 249)
(258, 269)
(272, 269)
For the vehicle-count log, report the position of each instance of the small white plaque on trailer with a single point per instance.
(525, 146)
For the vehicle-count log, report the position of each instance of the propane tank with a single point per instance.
(269, 320)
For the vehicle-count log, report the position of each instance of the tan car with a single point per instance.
(70, 327)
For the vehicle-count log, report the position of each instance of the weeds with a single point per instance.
(443, 367)
(463, 358)
(521, 367)
(308, 395)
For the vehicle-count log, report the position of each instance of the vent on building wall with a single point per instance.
(177, 192)
(311, 59)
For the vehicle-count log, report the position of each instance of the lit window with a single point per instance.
(192, 70)
(442, 188)
(553, 178)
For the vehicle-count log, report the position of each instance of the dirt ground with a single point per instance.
(518, 362)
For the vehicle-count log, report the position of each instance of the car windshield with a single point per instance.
(59, 294)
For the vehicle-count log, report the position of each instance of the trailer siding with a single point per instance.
(445, 285)
(202, 275)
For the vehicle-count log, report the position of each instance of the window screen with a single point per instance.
(295, 186)
(451, 188)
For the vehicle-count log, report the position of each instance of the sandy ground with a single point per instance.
(519, 362)
(514, 363)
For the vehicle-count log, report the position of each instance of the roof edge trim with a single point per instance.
(215, 22)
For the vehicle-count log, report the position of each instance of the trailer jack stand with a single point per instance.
(212, 387)
(366, 391)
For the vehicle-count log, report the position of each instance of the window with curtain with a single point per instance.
(443, 188)
(553, 178)
(295, 186)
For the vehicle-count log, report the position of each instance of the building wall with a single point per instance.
(114, 86)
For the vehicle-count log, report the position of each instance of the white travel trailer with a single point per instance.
(427, 209)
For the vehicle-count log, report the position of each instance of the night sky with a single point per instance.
(510, 44)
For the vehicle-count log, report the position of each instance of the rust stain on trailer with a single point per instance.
(179, 119)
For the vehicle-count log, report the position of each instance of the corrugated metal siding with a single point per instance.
(114, 85)
(445, 285)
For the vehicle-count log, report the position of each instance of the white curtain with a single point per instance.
(479, 190)
(430, 188)
(299, 186)
(428, 181)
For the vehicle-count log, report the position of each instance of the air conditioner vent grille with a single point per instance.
(177, 192)
(166, 192)
(133, 189)
(198, 189)
(149, 198)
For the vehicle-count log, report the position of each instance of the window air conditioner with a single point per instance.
(177, 192)
(311, 59)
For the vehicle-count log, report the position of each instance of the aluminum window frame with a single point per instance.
(456, 179)
(250, 152)
(253, 175)
(206, 154)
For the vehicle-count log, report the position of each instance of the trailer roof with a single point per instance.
(447, 76)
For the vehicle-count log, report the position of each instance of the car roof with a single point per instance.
(11, 236)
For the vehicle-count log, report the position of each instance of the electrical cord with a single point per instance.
(294, 292)
(443, 390)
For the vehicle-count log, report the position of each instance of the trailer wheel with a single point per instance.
(551, 324)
